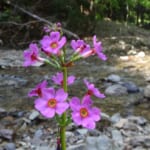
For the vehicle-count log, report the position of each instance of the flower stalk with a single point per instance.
(64, 118)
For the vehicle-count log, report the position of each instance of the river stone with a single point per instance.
(117, 137)
(116, 89)
(45, 148)
(104, 143)
(91, 143)
(131, 87)
(113, 78)
(10, 146)
(34, 115)
(115, 118)
(12, 80)
(140, 141)
(147, 91)
(77, 147)
(6, 133)
(138, 120)
(83, 131)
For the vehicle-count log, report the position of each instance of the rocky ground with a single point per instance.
(124, 78)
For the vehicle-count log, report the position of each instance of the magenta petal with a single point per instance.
(77, 118)
(97, 93)
(88, 123)
(48, 112)
(87, 101)
(73, 44)
(95, 114)
(61, 95)
(34, 47)
(54, 36)
(58, 78)
(70, 80)
(102, 56)
(61, 108)
(62, 42)
(40, 104)
(75, 103)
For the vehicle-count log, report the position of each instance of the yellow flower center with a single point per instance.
(84, 112)
(52, 103)
(54, 45)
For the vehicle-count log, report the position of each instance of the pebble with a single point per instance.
(6, 134)
(115, 118)
(147, 91)
(12, 80)
(10, 146)
(116, 89)
(131, 87)
(104, 143)
(113, 78)
(117, 137)
(34, 115)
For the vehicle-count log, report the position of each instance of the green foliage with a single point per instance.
(7, 15)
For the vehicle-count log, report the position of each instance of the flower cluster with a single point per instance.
(54, 102)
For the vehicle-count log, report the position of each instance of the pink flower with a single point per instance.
(81, 47)
(98, 49)
(92, 90)
(53, 103)
(32, 57)
(40, 90)
(46, 29)
(58, 79)
(83, 113)
(52, 44)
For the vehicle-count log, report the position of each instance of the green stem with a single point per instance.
(64, 115)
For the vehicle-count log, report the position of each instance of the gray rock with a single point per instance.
(140, 141)
(83, 131)
(2, 110)
(121, 123)
(91, 143)
(11, 80)
(147, 91)
(104, 116)
(115, 118)
(138, 120)
(113, 78)
(6, 133)
(10, 146)
(104, 143)
(38, 133)
(116, 89)
(131, 87)
(45, 148)
(77, 147)
(34, 115)
(117, 137)
(94, 132)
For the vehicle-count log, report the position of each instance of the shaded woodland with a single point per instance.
(18, 24)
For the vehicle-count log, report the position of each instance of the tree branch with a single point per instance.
(42, 19)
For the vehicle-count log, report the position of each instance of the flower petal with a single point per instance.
(77, 118)
(70, 80)
(97, 93)
(87, 101)
(48, 112)
(75, 103)
(61, 108)
(95, 114)
(61, 95)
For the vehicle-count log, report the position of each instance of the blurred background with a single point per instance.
(18, 27)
